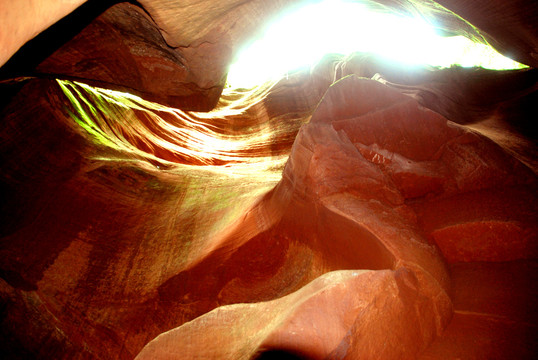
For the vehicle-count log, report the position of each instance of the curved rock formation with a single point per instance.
(358, 209)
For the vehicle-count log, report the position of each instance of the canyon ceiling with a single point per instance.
(357, 209)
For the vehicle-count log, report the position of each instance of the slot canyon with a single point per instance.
(358, 208)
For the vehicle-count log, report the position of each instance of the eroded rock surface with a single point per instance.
(329, 215)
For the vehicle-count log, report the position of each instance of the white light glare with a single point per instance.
(335, 26)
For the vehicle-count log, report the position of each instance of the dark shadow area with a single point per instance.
(9, 89)
(521, 113)
(277, 355)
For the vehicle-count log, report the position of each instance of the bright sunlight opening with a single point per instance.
(337, 26)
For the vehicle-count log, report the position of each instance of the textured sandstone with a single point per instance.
(494, 312)
(323, 216)
(306, 323)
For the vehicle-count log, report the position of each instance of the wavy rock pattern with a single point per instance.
(358, 209)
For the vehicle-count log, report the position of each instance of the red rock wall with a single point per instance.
(324, 216)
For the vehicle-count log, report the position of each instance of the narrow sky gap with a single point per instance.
(302, 37)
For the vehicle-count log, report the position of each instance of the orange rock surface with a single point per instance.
(355, 210)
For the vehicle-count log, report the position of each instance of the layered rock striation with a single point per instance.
(357, 209)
